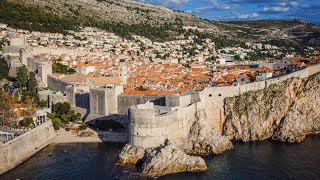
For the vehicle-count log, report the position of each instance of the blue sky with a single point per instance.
(228, 10)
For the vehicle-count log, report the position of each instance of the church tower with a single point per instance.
(123, 72)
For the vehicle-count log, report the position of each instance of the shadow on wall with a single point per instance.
(121, 122)
(112, 128)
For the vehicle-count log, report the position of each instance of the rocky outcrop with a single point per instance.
(130, 155)
(205, 140)
(285, 111)
(168, 159)
(163, 160)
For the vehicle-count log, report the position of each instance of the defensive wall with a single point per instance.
(57, 84)
(17, 150)
(103, 100)
(58, 51)
(125, 101)
(212, 98)
(42, 67)
(151, 125)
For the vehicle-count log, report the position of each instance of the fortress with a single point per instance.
(151, 125)
(151, 119)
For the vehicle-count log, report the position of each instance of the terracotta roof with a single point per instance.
(100, 81)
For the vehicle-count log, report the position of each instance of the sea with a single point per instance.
(253, 160)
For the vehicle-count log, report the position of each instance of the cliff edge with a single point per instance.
(287, 111)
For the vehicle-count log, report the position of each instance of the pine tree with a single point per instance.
(32, 83)
(22, 76)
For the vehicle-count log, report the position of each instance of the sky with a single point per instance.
(235, 10)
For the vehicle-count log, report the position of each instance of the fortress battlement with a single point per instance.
(151, 125)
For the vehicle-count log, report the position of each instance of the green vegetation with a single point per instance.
(62, 69)
(32, 82)
(43, 104)
(22, 77)
(288, 45)
(141, 88)
(267, 23)
(4, 69)
(63, 111)
(105, 125)
(82, 127)
(62, 115)
(26, 122)
(220, 42)
(56, 126)
(27, 84)
(35, 19)
(211, 59)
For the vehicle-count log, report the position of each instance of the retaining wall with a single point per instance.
(16, 151)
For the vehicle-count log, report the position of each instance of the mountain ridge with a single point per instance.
(126, 17)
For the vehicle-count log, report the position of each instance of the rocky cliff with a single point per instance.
(205, 140)
(286, 111)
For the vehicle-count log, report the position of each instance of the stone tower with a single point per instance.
(24, 54)
(123, 73)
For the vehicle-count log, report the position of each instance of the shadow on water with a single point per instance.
(254, 160)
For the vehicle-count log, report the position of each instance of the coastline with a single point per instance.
(68, 139)
(64, 137)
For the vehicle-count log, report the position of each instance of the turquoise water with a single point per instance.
(258, 160)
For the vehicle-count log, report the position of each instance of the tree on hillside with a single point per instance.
(32, 83)
(6, 107)
(4, 69)
(22, 76)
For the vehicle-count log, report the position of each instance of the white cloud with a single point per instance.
(166, 3)
(237, 16)
(275, 9)
(249, 16)
(215, 5)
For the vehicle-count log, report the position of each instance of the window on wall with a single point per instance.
(219, 94)
(210, 95)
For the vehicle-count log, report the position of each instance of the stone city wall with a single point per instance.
(57, 84)
(58, 51)
(126, 101)
(150, 128)
(104, 101)
(212, 98)
(16, 151)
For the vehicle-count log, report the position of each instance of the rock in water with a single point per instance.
(130, 155)
(304, 117)
(168, 159)
(205, 140)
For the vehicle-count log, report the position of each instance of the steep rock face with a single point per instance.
(130, 155)
(205, 140)
(275, 111)
(168, 159)
(304, 117)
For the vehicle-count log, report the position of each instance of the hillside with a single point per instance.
(126, 17)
